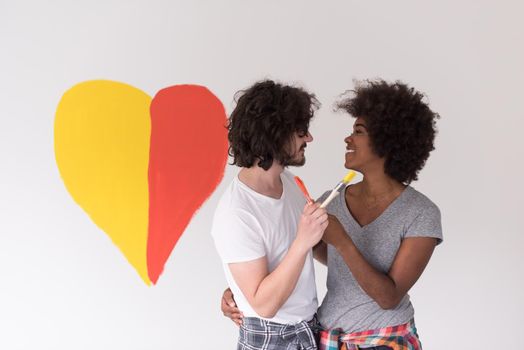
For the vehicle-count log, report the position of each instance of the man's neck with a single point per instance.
(265, 182)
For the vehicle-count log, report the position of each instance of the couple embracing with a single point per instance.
(376, 238)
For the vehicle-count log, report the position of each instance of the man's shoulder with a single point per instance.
(231, 212)
(287, 174)
(236, 200)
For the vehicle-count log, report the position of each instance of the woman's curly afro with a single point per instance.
(400, 124)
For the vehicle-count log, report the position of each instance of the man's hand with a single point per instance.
(334, 233)
(311, 226)
(229, 307)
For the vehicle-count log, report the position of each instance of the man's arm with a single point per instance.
(266, 292)
(228, 304)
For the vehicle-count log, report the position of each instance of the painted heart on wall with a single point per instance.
(140, 167)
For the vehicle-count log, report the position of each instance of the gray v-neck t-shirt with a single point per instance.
(346, 305)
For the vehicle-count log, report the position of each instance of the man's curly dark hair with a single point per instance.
(400, 124)
(264, 120)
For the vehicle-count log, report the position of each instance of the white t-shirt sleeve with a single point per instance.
(238, 236)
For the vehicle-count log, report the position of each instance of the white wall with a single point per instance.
(64, 285)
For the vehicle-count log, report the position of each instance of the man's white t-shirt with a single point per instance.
(248, 225)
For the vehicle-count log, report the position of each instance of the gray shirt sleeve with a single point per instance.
(426, 224)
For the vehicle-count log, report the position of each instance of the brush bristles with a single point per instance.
(349, 176)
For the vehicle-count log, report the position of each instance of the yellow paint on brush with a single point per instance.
(349, 177)
(102, 131)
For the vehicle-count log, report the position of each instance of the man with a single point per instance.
(263, 229)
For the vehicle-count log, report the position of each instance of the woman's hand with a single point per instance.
(335, 233)
(229, 307)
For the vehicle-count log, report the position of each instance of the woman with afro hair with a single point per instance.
(382, 232)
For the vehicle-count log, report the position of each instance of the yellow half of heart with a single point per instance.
(102, 138)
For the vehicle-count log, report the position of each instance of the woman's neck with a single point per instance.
(378, 184)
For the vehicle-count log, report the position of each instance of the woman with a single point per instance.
(382, 232)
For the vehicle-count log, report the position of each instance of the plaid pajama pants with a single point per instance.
(259, 334)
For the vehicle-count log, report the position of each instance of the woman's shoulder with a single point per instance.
(419, 202)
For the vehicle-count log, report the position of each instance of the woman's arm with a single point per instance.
(229, 307)
(386, 289)
(320, 252)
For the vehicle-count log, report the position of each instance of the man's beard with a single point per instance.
(296, 162)
(298, 159)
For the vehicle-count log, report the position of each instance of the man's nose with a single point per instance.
(309, 137)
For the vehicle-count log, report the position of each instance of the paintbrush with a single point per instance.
(338, 188)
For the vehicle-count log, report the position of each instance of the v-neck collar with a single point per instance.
(378, 218)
